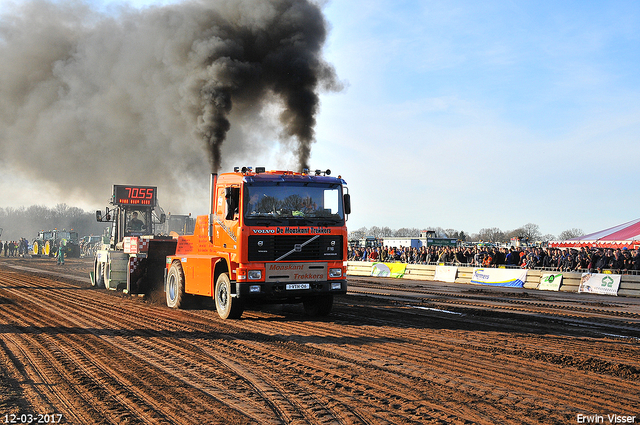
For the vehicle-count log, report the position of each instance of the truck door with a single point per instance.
(227, 214)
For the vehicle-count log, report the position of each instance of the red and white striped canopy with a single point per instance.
(623, 235)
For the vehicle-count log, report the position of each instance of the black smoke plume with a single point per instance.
(92, 98)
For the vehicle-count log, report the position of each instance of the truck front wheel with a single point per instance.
(318, 306)
(175, 286)
(228, 307)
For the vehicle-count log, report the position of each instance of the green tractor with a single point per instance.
(43, 244)
(48, 242)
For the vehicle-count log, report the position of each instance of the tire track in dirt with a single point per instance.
(401, 380)
(483, 368)
(373, 364)
(51, 299)
(476, 299)
(297, 390)
(121, 393)
(125, 390)
(22, 366)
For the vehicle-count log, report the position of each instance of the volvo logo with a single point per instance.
(297, 247)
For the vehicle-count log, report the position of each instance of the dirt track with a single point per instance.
(95, 356)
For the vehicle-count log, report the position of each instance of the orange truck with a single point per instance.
(269, 237)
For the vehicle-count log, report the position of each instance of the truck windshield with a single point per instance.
(319, 204)
(137, 222)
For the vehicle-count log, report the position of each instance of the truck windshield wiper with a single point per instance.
(301, 221)
(326, 222)
(269, 221)
(263, 222)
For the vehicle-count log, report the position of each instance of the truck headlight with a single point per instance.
(254, 288)
(254, 274)
(336, 285)
(335, 272)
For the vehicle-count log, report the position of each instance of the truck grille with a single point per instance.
(273, 247)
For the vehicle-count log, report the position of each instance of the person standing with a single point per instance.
(60, 256)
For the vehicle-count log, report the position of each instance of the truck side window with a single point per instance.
(232, 197)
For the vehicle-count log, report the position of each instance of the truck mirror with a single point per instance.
(347, 203)
(98, 215)
(163, 218)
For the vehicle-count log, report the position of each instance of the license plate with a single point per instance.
(291, 286)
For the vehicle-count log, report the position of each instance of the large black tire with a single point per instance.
(318, 306)
(94, 281)
(175, 286)
(228, 307)
(98, 274)
(106, 272)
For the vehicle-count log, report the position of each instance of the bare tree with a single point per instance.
(440, 232)
(375, 231)
(386, 232)
(451, 233)
(570, 234)
(358, 234)
(515, 233)
(27, 222)
(407, 233)
(491, 235)
(531, 232)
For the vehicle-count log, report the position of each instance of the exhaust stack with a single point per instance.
(212, 189)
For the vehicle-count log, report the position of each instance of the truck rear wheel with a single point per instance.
(175, 286)
(98, 273)
(318, 306)
(228, 307)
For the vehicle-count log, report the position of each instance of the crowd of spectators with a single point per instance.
(593, 260)
(14, 248)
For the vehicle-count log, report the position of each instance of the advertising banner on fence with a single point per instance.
(388, 269)
(446, 274)
(500, 277)
(600, 283)
(550, 282)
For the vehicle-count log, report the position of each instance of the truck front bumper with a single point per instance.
(278, 291)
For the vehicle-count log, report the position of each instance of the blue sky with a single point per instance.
(471, 115)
